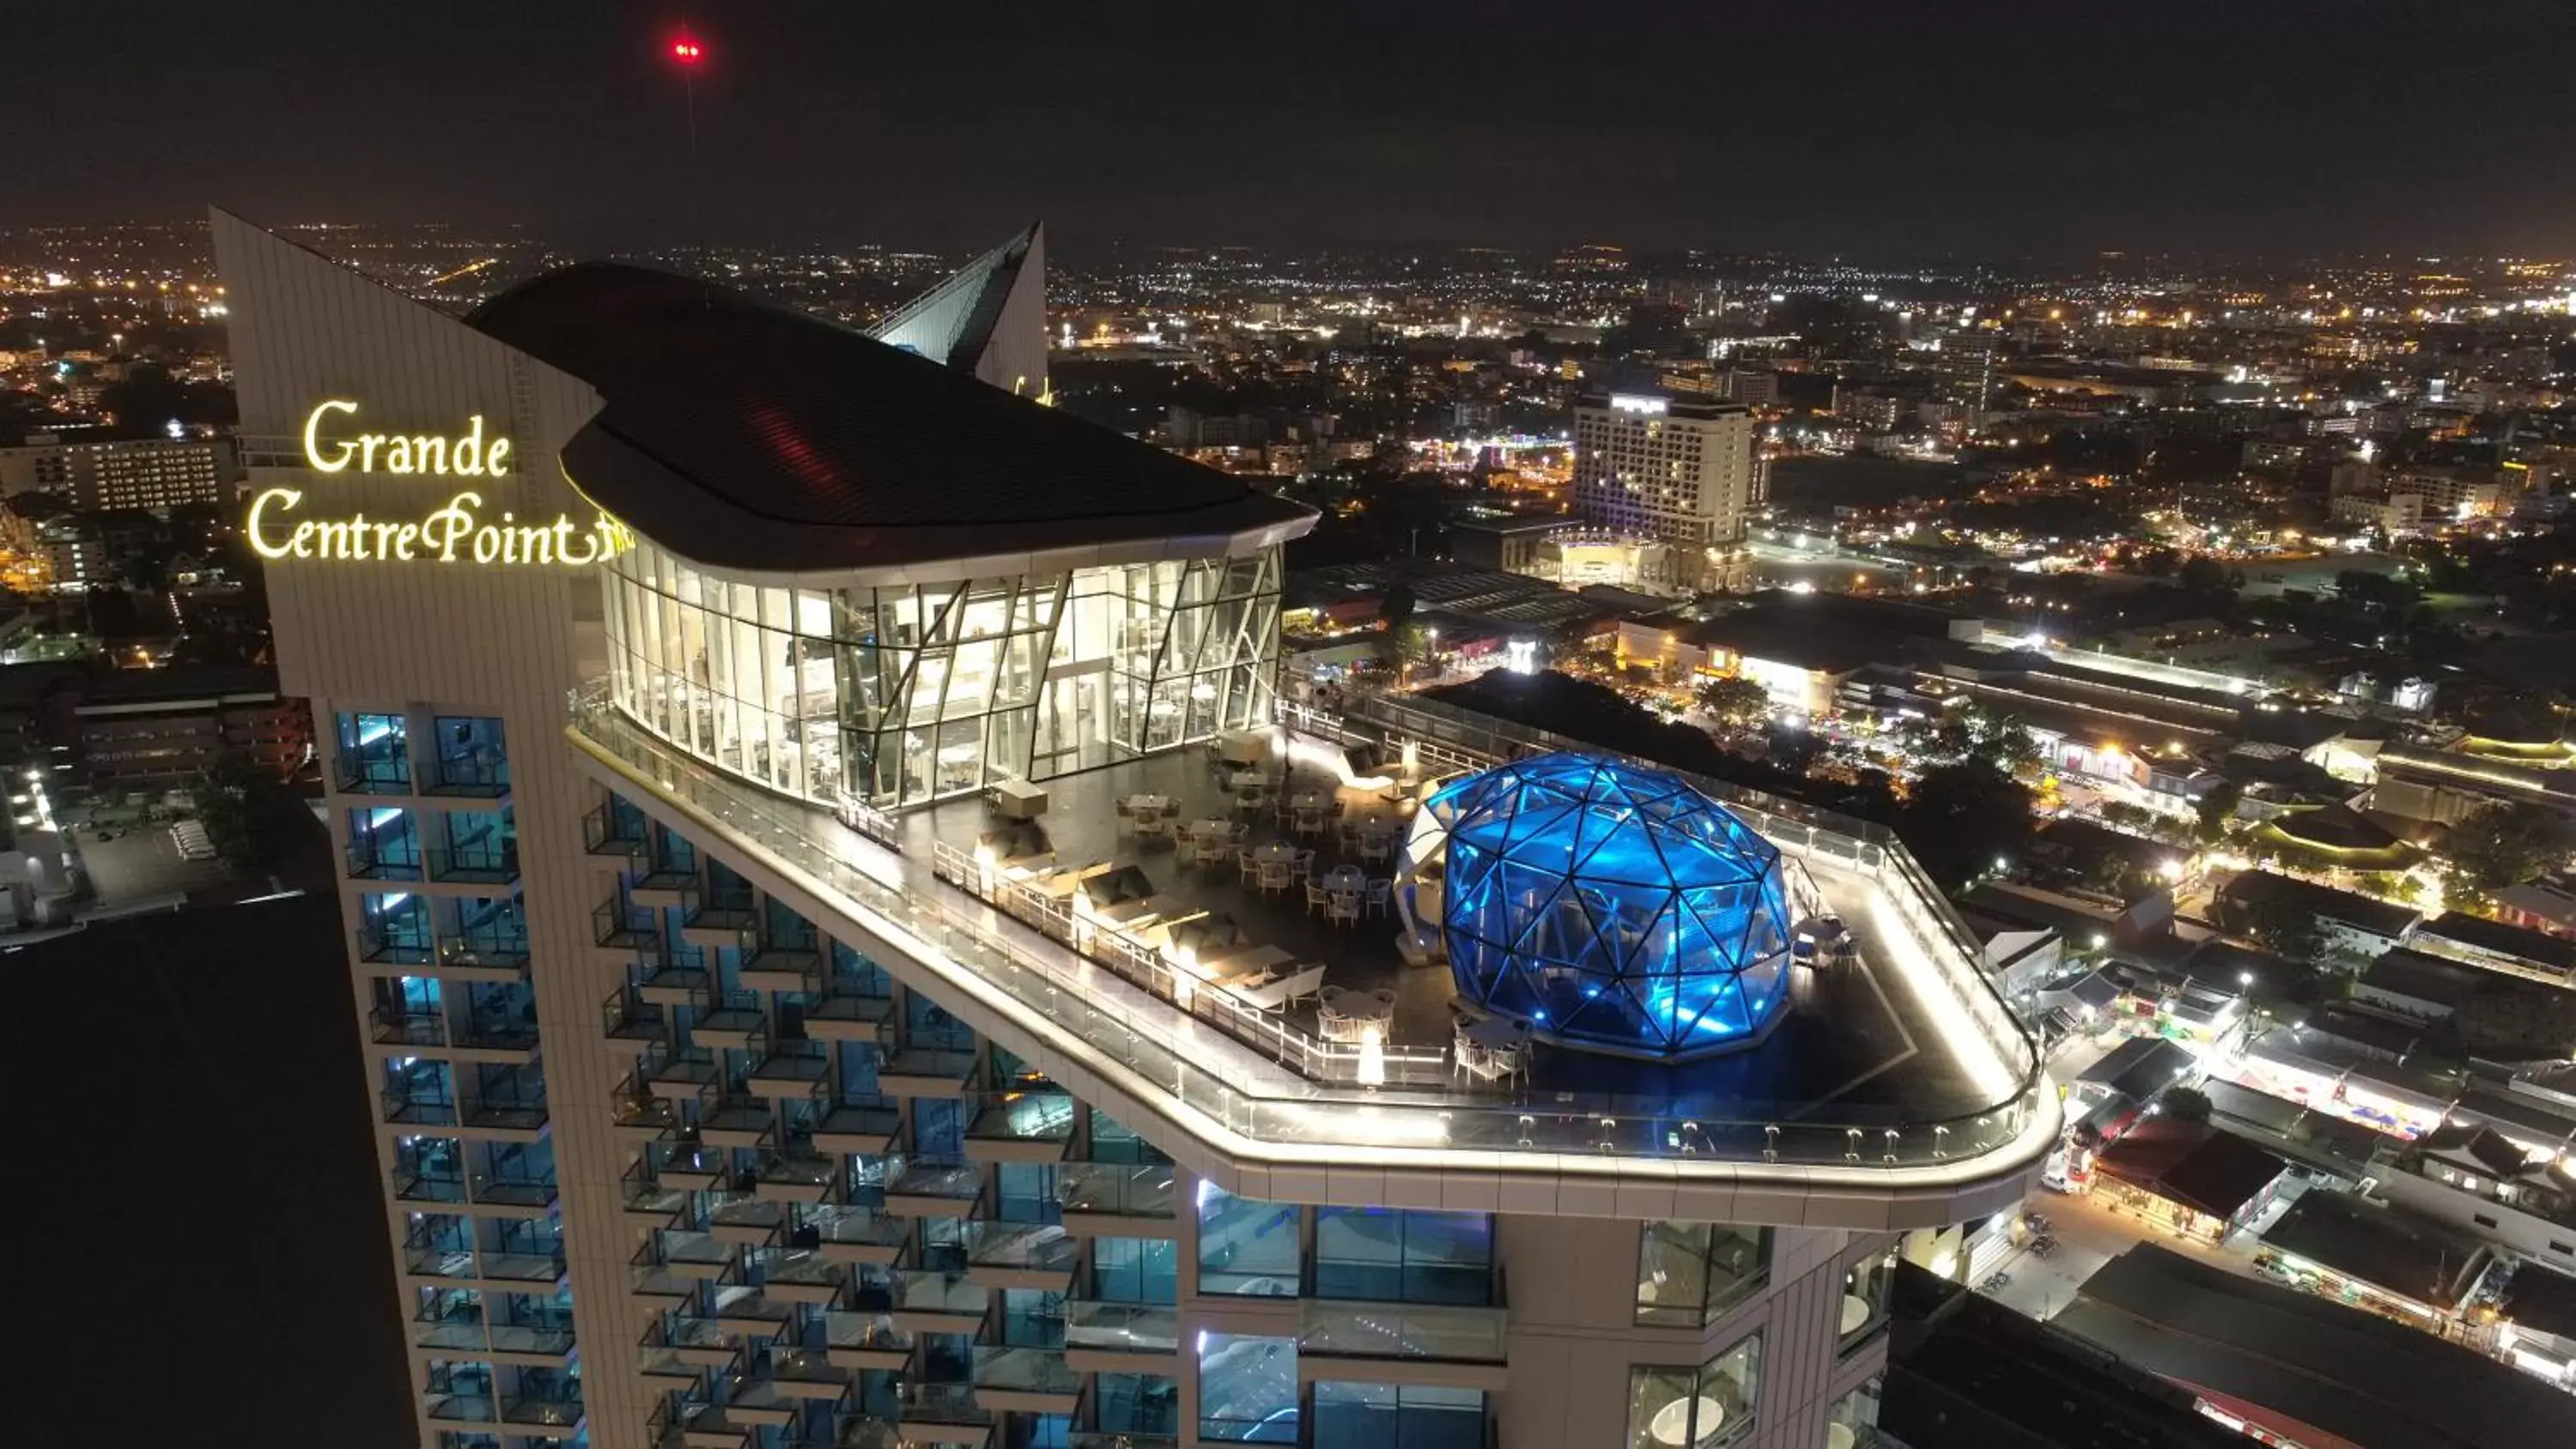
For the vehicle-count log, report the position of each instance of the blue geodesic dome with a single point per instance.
(1615, 907)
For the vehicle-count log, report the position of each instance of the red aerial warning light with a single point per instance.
(687, 51)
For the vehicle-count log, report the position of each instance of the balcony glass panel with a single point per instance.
(384, 844)
(1248, 1389)
(1025, 1370)
(1135, 1190)
(1684, 1408)
(1386, 1330)
(473, 758)
(1022, 1247)
(1404, 1255)
(1247, 1247)
(374, 754)
(1690, 1274)
(1390, 1416)
(1135, 1270)
(480, 847)
(1090, 1323)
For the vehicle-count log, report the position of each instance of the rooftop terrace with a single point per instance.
(1904, 1076)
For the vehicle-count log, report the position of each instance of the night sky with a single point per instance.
(2228, 127)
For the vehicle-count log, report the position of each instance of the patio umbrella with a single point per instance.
(1014, 842)
(1205, 935)
(1126, 883)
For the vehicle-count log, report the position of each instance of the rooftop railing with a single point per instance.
(1056, 995)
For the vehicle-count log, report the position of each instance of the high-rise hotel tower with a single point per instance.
(851, 950)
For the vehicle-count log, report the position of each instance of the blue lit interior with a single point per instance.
(1612, 906)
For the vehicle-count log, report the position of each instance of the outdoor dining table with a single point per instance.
(1343, 880)
(1274, 852)
(1309, 800)
(1149, 804)
(1245, 967)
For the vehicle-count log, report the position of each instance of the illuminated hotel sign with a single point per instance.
(460, 531)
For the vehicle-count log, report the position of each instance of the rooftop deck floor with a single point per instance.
(1852, 1046)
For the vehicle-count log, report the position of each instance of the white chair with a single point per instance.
(1343, 910)
(1274, 875)
(1306, 985)
(1303, 867)
(1380, 892)
(1317, 898)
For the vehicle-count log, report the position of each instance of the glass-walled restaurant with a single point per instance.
(896, 696)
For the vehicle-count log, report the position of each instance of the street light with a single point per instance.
(2245, 978)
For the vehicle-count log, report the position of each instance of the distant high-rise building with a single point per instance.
(1678, 467)
(1967, 368)
(151, 473)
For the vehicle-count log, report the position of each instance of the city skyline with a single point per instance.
(1857, 131)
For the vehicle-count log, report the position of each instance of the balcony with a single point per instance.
(458, 1408)
(1026, 1380)
(692, 1165)
(723, 924)
(794, 1175)
(474, 865)
(453, 1335)
(735, 1023)
(646, 1201)
(809, 1373)
(1357, 1340)
(691, 1423)
(663, 886)
(800, 1275)
(406, 1106)
(771, 967)
(739, 1217)
(1022, 1127)
(543, 1411)
(933, 1191)
(614, 834)
(1101, 1337)
(734, 1119)
(845, 1015)
(925, 1300)
(647, 1278)
(682, 1075)
(518, 1115)
(513, 1196)
(1117, 1199)
(675, 980)
(858, 1339)
(694, 1341)
(429, 1190)
(406, 1028)
(700, 1255)
(622, 930)
(868, 1131)
(1020, 1255)
(792, 1070)
(926, 1072)
(504, 1038)
(752, 1313)
(632, 1024)
(942, 1414)
(537, 1344)
(537, 1271)
(761, 1402)
(636, 1112)
(859, 1235)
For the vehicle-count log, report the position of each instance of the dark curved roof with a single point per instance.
(745, 435)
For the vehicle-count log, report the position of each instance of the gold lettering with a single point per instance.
(537, 545)
(302, 544)
(398, 457)
(469, 449)
(404, 538)
(384, 533)
(312, 432)
(331, 540)
(368, 443)
(498, 456)
(429, 455)
(443, 530)
(283, 498)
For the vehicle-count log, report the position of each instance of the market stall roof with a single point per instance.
(2204, 1168)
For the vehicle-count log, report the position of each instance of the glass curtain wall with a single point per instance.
(898, 696)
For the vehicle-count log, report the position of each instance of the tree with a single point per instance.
(1734, 700)
(2517, 1021)
(2216, 809)
(239, 805)
(2286, 930)
(2201, 574)
(1961, 817)
(1975, 735)
(1402, 645)
(2506, 844)
(1395, 610)
(2184, 1104)
(1791, 748)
